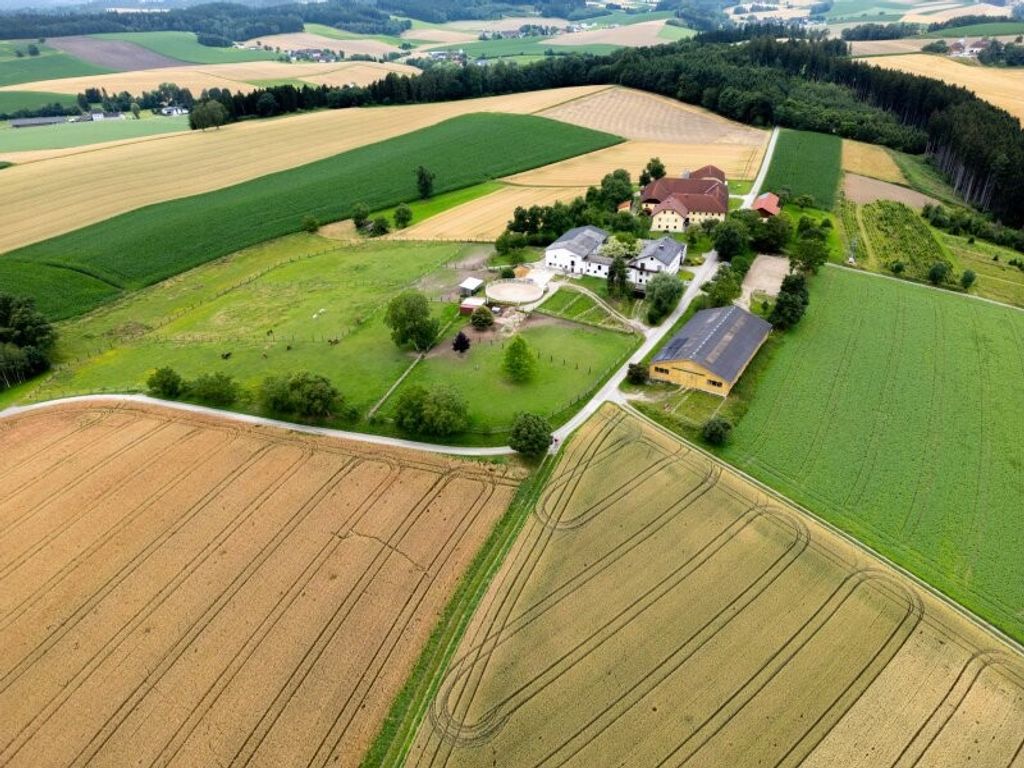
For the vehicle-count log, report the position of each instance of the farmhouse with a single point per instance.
(579, 252)
(664, 255)
(712, 350)
(696, 196)
(767, 205)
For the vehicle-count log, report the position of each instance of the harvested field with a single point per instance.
(358, 73)
(439, 36)
(631, 36)
(870, 160)
(87, 187)
(1003, 87)
(485, 218)
(953, 11)
(659, 609)
(646, 117)
(739, 161)
(861, 189)
(903, 45)
(184, 590)
(112, 54)
(296, 40)
(507, 24)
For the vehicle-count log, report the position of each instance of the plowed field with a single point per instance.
(182, 590)
(659, 609)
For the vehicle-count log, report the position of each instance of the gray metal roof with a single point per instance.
(25, 122)
(581, 241)
(723, 340)
(664, 249)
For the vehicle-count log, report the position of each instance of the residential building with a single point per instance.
(712, 350)
(676, 203)
(767, 205)
(579, 252)
(662, 255)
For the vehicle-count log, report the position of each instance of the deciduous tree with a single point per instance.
(519, 363)
(530, 435)
(408, 317)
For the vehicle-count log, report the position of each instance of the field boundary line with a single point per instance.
(966, 613)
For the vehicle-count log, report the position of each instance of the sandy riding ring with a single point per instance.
(514, 291)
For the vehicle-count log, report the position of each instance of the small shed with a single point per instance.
(470, 285)
(469, 305)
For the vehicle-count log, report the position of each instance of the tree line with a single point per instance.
(26, 340)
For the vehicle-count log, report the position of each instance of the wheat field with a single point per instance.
(870, 160)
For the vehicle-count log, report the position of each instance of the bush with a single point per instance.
(508, 242)
(638, 373)
(530, 435)
(716, 431)
(938, 273)
(213, 389)
(519, 364)
(967, 279)
(482, 318)
(403, 216)
(440, 411)
(360, 215)
(166, 383)
(310, 223)
(303, 394)
(379, 227)
(663, 294)
(507, 273)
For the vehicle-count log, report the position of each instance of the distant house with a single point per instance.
(470, 285)
(578, 252)
(676, 203)
(97, 116)
(973, 49)
(33, 122)
(712, 350)
(958, 48)
(767, 205)
(173, 111)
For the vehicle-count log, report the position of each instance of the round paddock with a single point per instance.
(514, 291)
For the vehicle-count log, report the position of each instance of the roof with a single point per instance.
(722, 340)
(768, 202)
(671, 203)
(473, 301)
(665, 249)
(707, 172)
(471, 283)
(697, 195)
(582, 241)
(25, 122)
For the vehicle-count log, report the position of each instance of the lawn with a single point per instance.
(572, 360)
(153, 243)
(184, 46)
(15, 101)
(580, 308)
(808, 163)
(892, 410)
(50, 64)
(81, 134)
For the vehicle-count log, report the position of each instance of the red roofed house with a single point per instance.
(674, 204)
(767, 205)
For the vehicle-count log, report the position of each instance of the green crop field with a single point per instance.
(184, 46)
(895, 233)
(571, 360)
(48, 65)
(808, 163)
(144, 246)
(82, 134)
(13, 101)
(893, 410)
(979, 30)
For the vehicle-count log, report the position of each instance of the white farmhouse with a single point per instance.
(578, 252)
(663, 255)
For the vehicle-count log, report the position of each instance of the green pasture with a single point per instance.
(14, 101)
(997, 278)
(184, 46)
(48, 65)
(925, 177)
(579, 308)
(81, 134)
(808, 163)
(978, 30)
(892, 411)
(424, 209)
(144, 246)
(571, 360)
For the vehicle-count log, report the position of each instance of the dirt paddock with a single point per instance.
(861, 189)
(182, 590)
(764, 276)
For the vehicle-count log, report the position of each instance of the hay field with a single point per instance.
(631, 36)
(738, 161)
(188, 591)
(870, 160)
(658, 609)
(296, 40)
(90, 186)
(236, 77)
(943, 13)
(483, 219)
(1003, 87)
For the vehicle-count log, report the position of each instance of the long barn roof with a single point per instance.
(722, 340)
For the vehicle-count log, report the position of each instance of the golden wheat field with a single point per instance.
(178, 589)
(944, 12)
(1003, 87)
(660, 610)
(295, 40)
(483, 219)
(89, 186)
(630, 36)
(870, 160)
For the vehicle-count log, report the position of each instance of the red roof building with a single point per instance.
(767, 205)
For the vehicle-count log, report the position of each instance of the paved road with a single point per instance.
(748, 199)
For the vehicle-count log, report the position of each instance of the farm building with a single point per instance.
(712, 350)
(767, 205)
(696, 196)
(579, 252)
(470, 285)
(663, 255)
(471, 304)
(33, 122)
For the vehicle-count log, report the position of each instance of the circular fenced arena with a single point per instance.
(514, 291)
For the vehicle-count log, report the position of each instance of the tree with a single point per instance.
(482, 318)
(618, 284)
(788, 311)
(360, 215)
(530, 435)
(305, 394)
(310, 223)
(266, 104)
(663, 294)
(808, 254)
(439, 411)
(638, 373)
(166, 383)
(772, 234)
(716, 430)
(804, 201)
(731, 237)
(425, 182)
(409, 408)
(403, 216)
(379, 227)
(207, 114)
(136, 110)
(519, 363)
(461, 343)
(26, 339)
(408, 317)
(33, 49)
(938, 273)
(656, 168)
(508, 242)
(967, 279)
(214, 389)
(723, 288)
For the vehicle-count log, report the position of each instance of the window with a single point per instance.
(714, 382)
(660, 370)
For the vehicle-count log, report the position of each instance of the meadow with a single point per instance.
(145, 246)
(808, 163)
(82, 134)
(48, 65)
(659, 609)
(892, 412)
(184, 46)
(570, 304)
(15, 101)
(984, 29)
(997, 278)
(168, 575)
